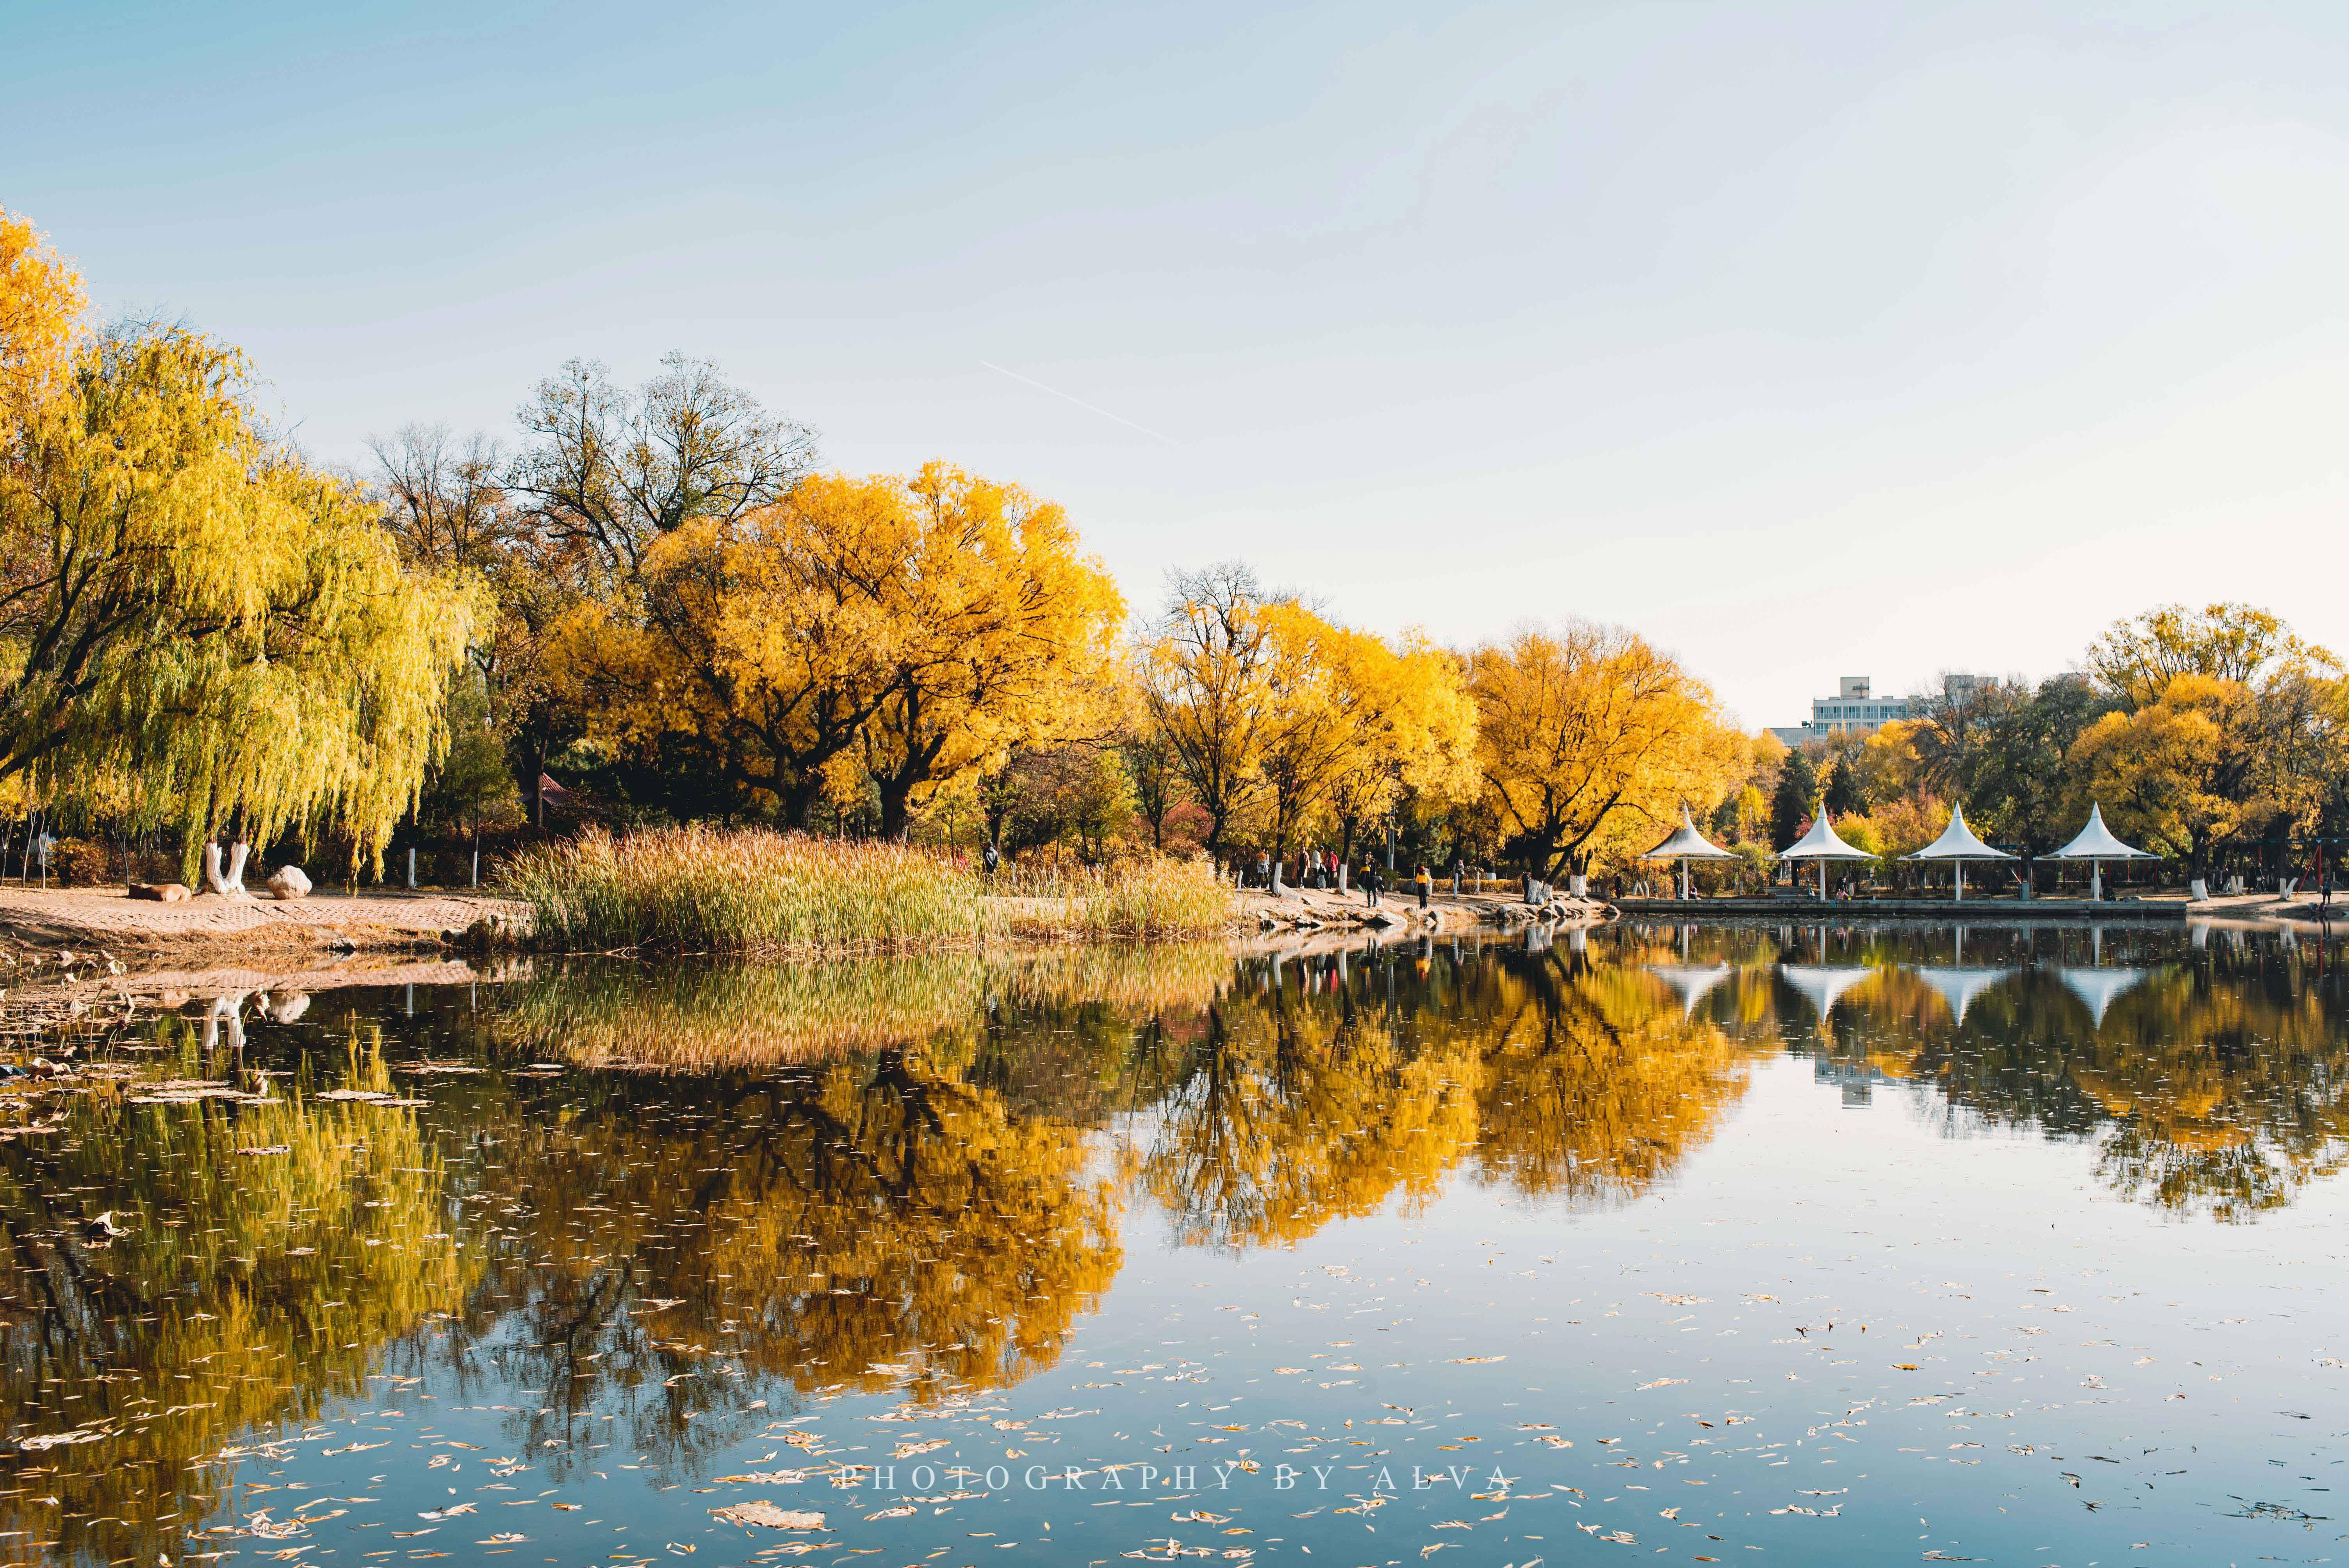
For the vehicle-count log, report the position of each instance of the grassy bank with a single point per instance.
(708, 890)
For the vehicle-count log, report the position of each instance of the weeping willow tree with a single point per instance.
(192, 616)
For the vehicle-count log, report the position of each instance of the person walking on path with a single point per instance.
(1371, 884)
(991, 859)
(1459, 869)
(1424, 882)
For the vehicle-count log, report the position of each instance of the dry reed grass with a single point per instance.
(710, 890)
(700, 888)
(1134, 899)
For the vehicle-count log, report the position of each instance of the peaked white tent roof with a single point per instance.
(2096, 842)
(1958, 842)
(2098, 988)
(1821, 844)
(1691, 981)
(1687, 844)
(1959, 987)
(1823, 984)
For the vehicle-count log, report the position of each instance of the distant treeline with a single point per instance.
(650, 605)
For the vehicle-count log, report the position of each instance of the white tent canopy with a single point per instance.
(1821, 844)
(1958, 844)
(1687, 844)
(2095, 844)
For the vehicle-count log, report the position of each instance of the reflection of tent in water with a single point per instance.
(2098, 988)
(1691, 981)
(1823, 984)
(1959, 987)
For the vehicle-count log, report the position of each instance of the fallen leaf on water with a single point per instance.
(766, 1513)
(1476, 1360)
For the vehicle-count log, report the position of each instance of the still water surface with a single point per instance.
(2019, 1246)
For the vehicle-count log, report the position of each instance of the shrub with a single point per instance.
(81, 863)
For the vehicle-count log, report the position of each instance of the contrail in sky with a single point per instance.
(1055, 391)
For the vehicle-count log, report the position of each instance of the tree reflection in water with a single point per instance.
(664, 1207)
(2213, 1076)
(251, 1292)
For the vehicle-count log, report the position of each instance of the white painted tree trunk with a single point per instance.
(232, 884)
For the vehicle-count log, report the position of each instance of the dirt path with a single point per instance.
(107, 917)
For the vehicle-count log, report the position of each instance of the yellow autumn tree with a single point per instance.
(41, 301)
(898, 631)
(1206, 671)
(191, 610)
(2167, 774)
(1353, 721)
(1274, 712)
(2230, 726)
(1010, 637)
(1589, 740)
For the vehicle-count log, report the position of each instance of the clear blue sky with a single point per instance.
(1807, 339)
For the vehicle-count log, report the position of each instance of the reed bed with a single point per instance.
(708, 890)
(1134, 899)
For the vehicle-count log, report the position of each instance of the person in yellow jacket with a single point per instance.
(1423, 882)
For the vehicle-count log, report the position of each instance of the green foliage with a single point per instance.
(2018, 792)
(1843, 793)
(472, 783)
(1796, 798)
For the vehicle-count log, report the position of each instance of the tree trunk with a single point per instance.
(896, 807)
(799, 801)
(231, 883)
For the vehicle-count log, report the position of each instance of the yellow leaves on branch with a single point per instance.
(193, 612)
(900, 634)
(1006, 635)
(40, 302)
(1273, 709)
(1591, 741)
(2230, 724)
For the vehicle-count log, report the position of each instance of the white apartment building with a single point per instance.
(1852, 707)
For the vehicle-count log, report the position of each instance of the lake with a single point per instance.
(2008, 1245)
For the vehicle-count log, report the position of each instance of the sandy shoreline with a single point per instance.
(110, 918)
